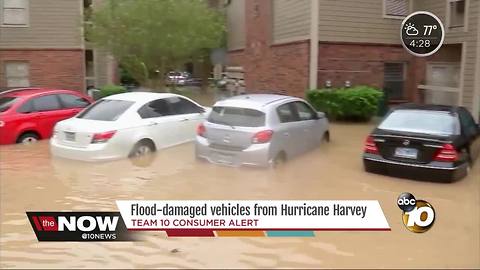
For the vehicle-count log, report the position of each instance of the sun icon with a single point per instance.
(410, 29)
(409, 25)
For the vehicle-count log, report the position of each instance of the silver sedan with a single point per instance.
(259, 130)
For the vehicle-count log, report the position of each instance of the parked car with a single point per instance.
(424, 141)
(29, 114)
(259, 130)
(127, 125)
(177, 77)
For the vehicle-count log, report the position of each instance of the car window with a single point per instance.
(183, 106)
(6, 103)
(469, 126)
(26, 107)
(106, 110)
(286, 113)
(156, 108)
(304, 111)
(422, 121)
(46, 103)
(240, 117)
(72, 101)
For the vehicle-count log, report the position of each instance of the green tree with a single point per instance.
(150, 37)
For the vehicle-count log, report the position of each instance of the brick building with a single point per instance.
(42, 45)
(359, 43)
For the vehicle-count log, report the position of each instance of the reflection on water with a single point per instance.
(31, 180)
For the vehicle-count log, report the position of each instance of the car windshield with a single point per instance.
(420, 121)
(106, 110)
(233, 116)
(6, 103)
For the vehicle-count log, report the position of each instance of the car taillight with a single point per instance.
(262, 136)
(201, 130)
(2, 123)
(103, 137)
(370, 146)
(446, 153)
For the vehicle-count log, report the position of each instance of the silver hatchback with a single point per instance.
(259, 130)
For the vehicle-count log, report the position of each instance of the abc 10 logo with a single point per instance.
(418, 215)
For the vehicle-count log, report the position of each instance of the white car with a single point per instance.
(127, 125)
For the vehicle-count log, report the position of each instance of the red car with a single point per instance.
(29, 114)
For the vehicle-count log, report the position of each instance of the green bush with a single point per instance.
(359, 103)
(109, 90)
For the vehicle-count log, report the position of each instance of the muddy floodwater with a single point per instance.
(32, 180)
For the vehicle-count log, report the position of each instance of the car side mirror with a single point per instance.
(320, 115)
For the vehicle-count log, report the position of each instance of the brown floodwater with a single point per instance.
(30, 179)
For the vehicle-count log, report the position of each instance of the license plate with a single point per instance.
(402, 152)
(223, 158)
(69, 136)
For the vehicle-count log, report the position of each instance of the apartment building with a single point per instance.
(42, 44)
(359, 43)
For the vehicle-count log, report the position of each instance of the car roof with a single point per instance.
(427, 107)
(141, 96)
(252, 100)
(28, 92)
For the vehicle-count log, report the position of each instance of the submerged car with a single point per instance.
(29, 114)
(259, 130)
(431, 142)
(127, 125)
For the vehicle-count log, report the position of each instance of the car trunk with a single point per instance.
(79, 133)
(410, 148)
(231, 138)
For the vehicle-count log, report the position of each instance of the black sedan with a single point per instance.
(432, 142)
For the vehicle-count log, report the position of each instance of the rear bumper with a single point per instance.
(433, 171)
(93, 152)
(257, 155)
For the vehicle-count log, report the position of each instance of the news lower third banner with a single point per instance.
(245, 218)
(252, 218)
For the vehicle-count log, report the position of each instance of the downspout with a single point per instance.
(314, 17)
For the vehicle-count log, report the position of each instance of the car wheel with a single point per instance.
(326, 136)
(142, 148)
(142, 154)
(28, 138)
(279, 160)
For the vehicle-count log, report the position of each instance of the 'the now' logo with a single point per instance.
(73, 223)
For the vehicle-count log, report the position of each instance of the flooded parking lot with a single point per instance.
(30, 179)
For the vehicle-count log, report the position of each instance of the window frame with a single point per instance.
(312, 111)
(6, 63)
(173, 109)
(171, 113)
(404, 71)
(448, 17)
(27, 17)
(35, 99)
(397, 17)
(64, 104)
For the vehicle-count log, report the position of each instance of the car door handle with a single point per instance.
(153, 124)
(306, 130)
(286, 134)
(183, 120)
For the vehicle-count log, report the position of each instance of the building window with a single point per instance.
(14, 12)
(456, 14)
(17, 74)
(396, 8)
(443, 74)
(394, 81)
